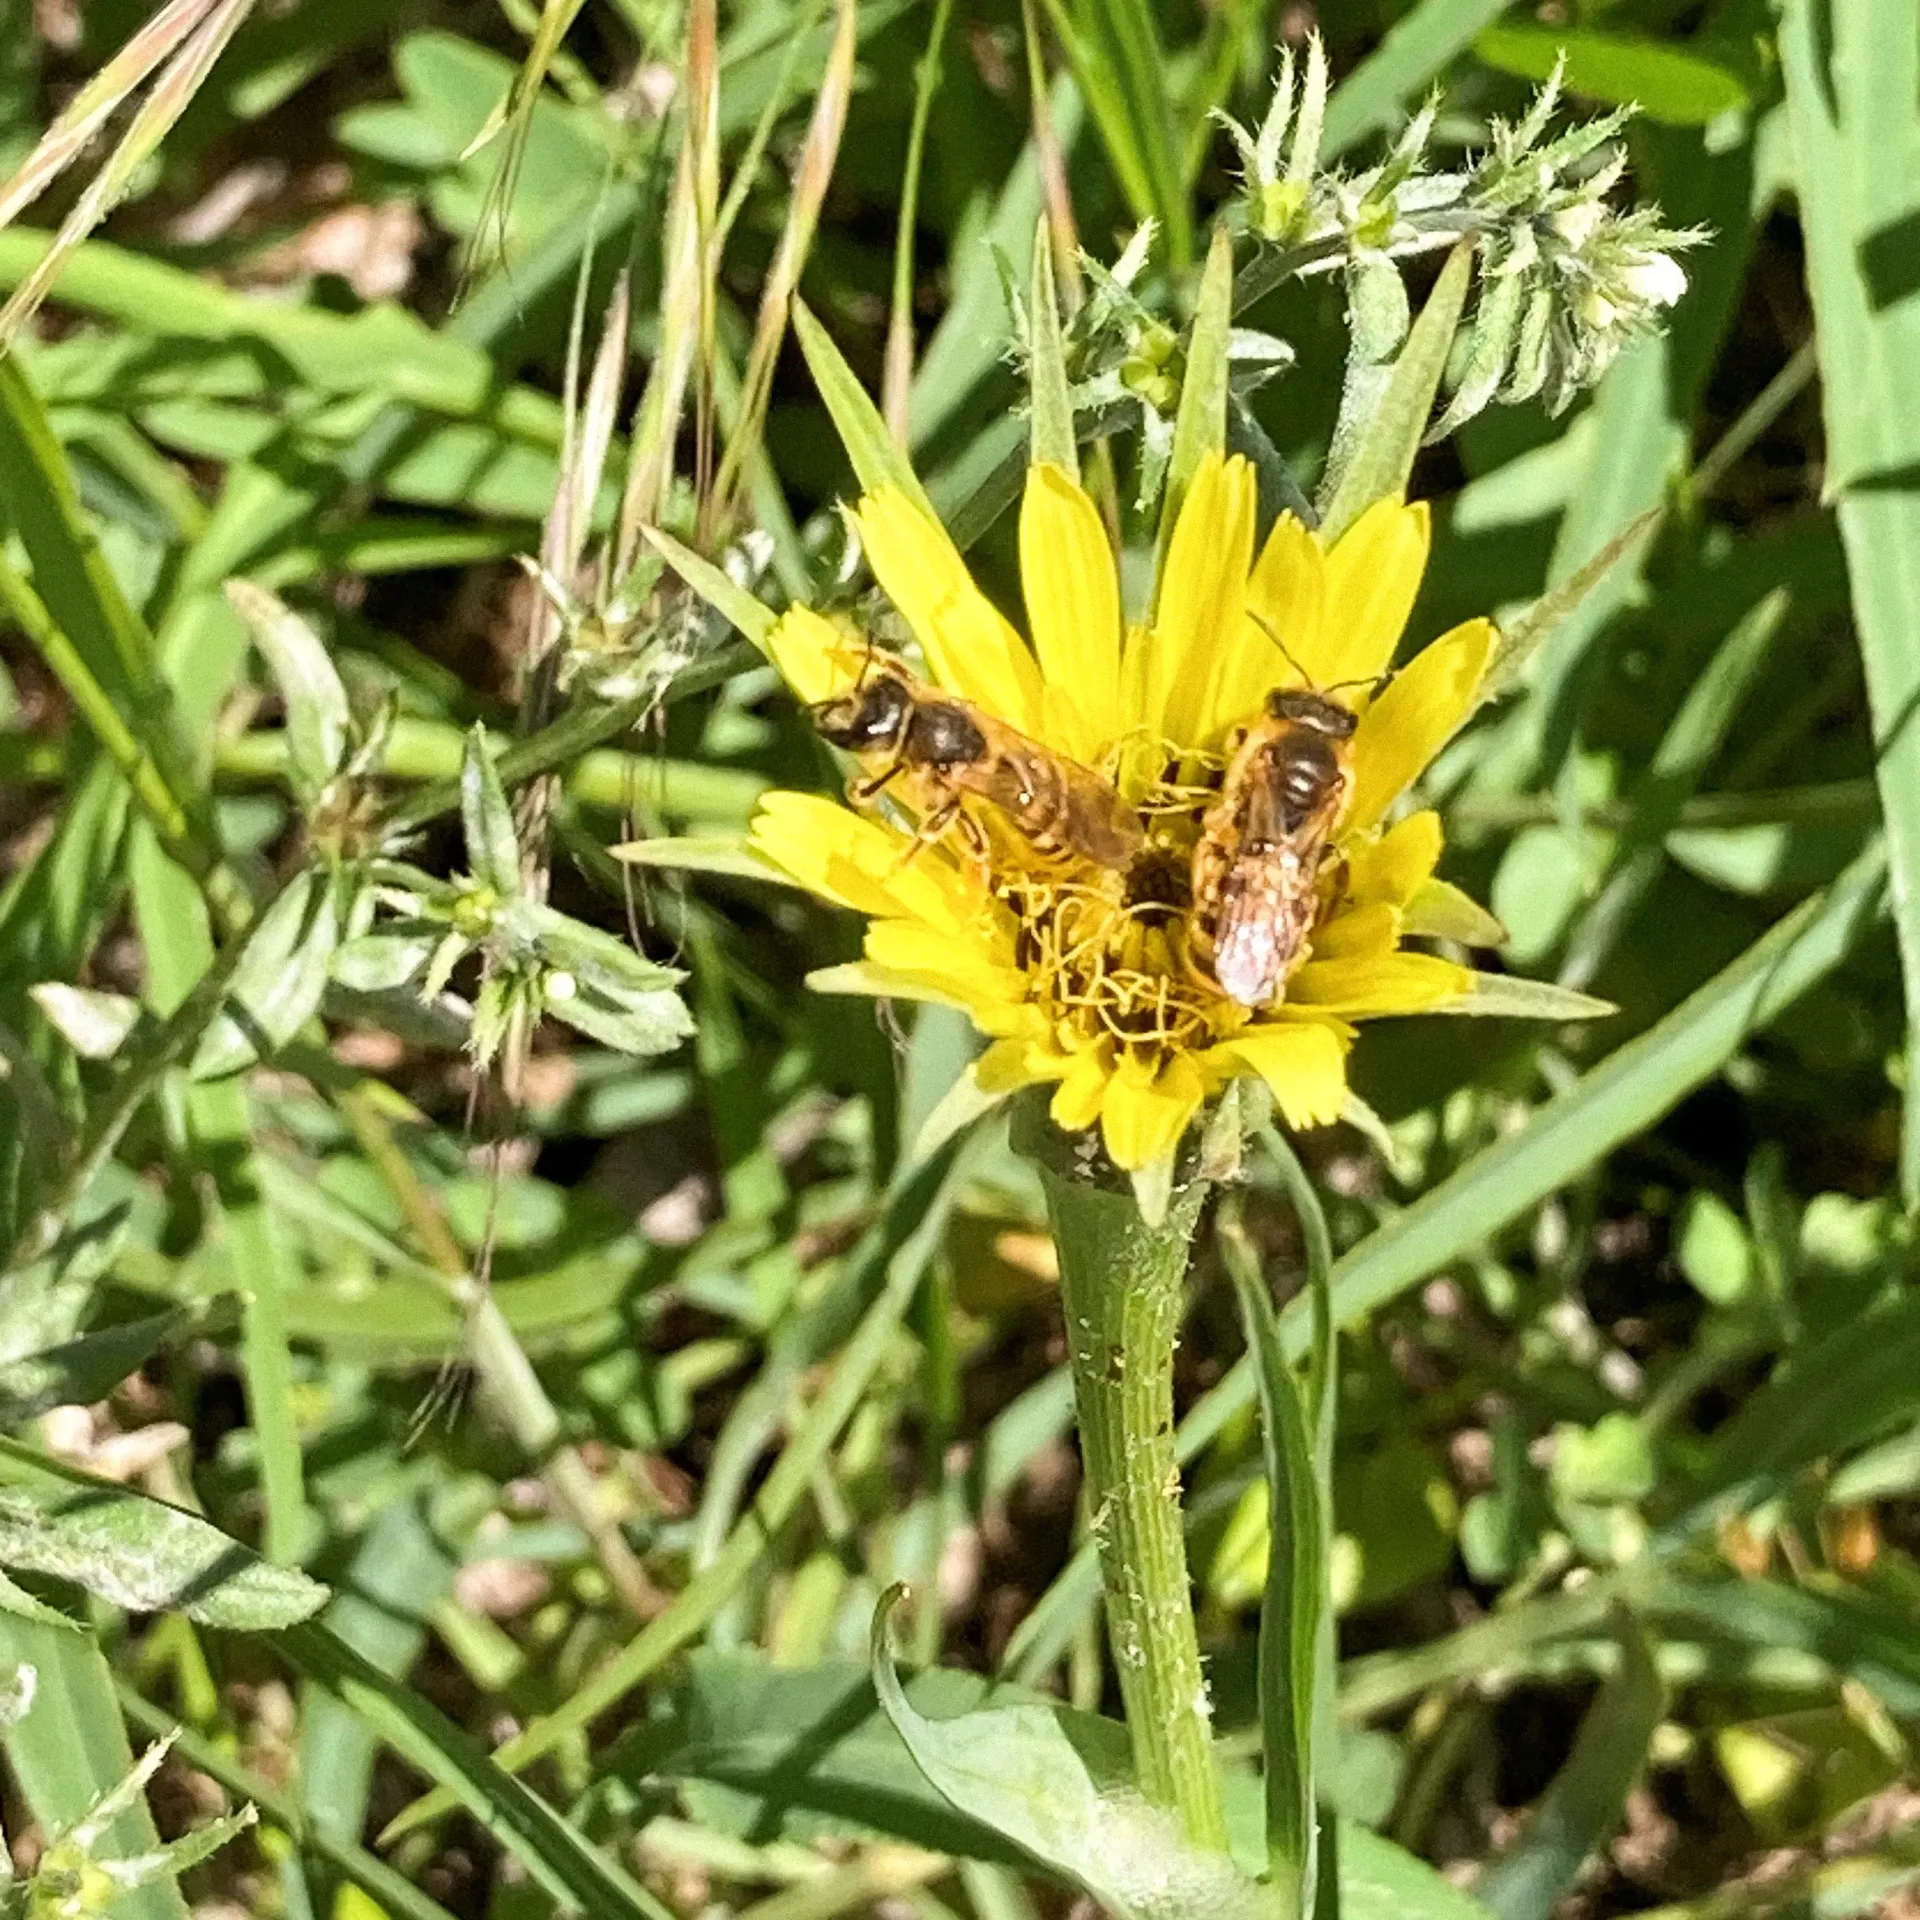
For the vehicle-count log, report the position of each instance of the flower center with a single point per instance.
(1110, 955)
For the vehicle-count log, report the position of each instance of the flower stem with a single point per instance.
(1122, 1287)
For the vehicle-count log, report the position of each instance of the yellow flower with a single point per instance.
(1084, 978)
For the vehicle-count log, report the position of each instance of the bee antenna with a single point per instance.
(1292, 660)
(1378, 682)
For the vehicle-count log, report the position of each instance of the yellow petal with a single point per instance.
(1416, 716)
(1016, 1062)
(1073, 611)
(1442, 912)
(862, 977)
(857, 862)
(1142, 1116)
(1373, 574)
(1375, 986)
(1397, 864)
(1077, 1100)
(971, 969)
(1286, 597)
(1358, 932)
(1303, 1061)
(971, 649)
(816, 659)
(1203, 591)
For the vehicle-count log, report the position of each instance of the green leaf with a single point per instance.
(1588, 1795)
(784, 1752)
(137, 1553)
(1423, 41)
(1713, 1249)
(69, 1750)
(1383, 443)
(638, 1024)
(1507, 996)
(493, 848)
(1674, 85)
(279, 980)
(93, 1023)
(1052, 431)
(1043, 1780)
(878, 459)
(1850, 92)
(728, 599)
(1827, 1398)
(318, 718)
(1200, 427)
(1292, 1612)
(79, 1372)
(562, 1860)
(1610, 1461)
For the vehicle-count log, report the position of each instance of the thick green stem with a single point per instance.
(1122, 1285)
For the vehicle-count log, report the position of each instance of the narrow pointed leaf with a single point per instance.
(1200, 427)
(1385, 443)
(878, 458)
(1052, 407)
(138, 1553)
(318, 718)
(493, 848)
(723, 594)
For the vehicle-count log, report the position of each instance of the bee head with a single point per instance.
(872, 715)
(1315, 710)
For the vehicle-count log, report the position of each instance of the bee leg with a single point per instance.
(931, 828)
(870, 786)
(978, 848)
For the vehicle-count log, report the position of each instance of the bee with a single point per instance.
(945, 751)
(1257, 862)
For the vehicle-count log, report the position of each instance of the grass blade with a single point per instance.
(1584, 1803)
(1418, 45)
(1851, 78)
(184, 75)
(812, 176)
(561, 1860)
(896, 1252)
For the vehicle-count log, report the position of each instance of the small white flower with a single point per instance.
(560, 986)
(1576, 224)
(1656, 278)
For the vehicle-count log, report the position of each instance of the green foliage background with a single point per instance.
(1630, 1423)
